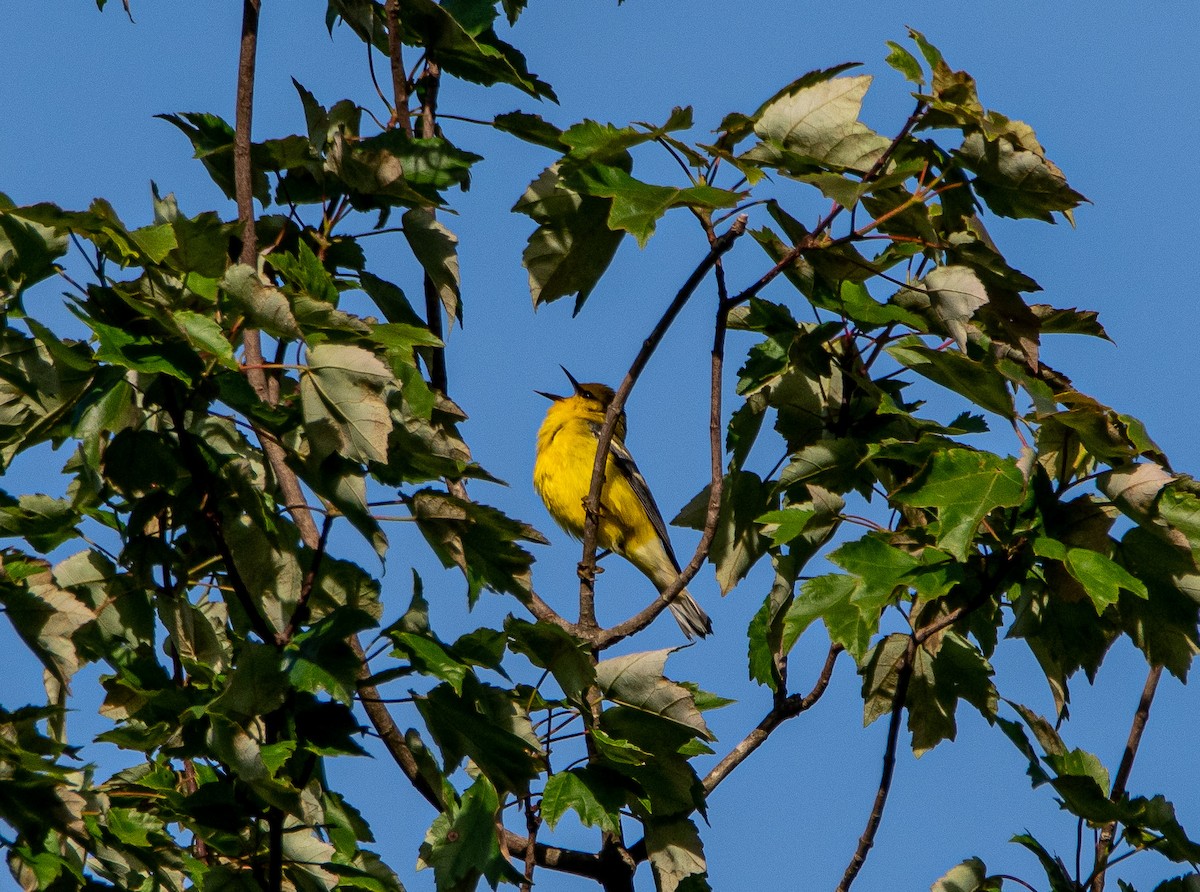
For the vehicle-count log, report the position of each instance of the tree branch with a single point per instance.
(300, 614)
(583, 864)
(867, 840)
(390, 733)
(399, 77)
(543, 612)
(242, 172)
(1104, 845)
(243, 177)
(587, 566)
(784, 709)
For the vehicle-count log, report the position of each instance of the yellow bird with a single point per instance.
(630, 522)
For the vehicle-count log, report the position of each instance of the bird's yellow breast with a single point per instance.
(562, 474)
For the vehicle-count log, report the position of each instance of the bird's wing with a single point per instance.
(629, 469)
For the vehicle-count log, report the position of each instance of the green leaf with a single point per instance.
(1187, 883)
(142, 353)
(461, 845)
(1068, 321)
(1164, 625)
(637, 681)
(436, 248)
(637, 206)
(618, 751)
(264, 305)
(830, 598)
(430, 657)
(980, 382)
(955, 670)
(969, 876)
(955, 295)
(549, 647)
(766, 632)
(479, 57)
(390, 299)
(676, 855)
(343, 396)
(786, 524)
(477, 539)
(43, 522)
(1014, 732)
(1102, 577)
(212, 138)
(608, 144)
(573, 244)
(155, 241)
(906, 63)
(880, 675)
(739, 541)
(1056, 871)
(1016, 179)
(489, 726)
(531, 128)
(818, 124)
(46, 616)
(28, 251)
(832, 463)
(257, 685)
(268, 566)
(965, 486)
(592, 793)
(206, 335)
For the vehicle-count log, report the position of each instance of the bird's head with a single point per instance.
(591, 400)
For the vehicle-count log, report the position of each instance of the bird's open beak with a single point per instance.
(571, 378)
(553, 397)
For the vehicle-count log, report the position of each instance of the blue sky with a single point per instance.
(1111, 91)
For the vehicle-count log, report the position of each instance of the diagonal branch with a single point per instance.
(716, 476)
(399, 77)
(301, 612)
(1104, 845)
(904, 675)
(786, 708)
(243, 177)
(587, 566)
(390, 733)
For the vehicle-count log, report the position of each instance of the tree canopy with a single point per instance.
(253, 411)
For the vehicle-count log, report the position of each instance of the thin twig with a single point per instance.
(300, 613)
(867, 840)
(1104, 845)
(243, 176)
(390, 733)
(587, 614)
(788, 707)
(399, 78)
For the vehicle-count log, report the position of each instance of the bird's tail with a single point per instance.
(690, 616)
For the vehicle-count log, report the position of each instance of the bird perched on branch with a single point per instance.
(630, 522)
